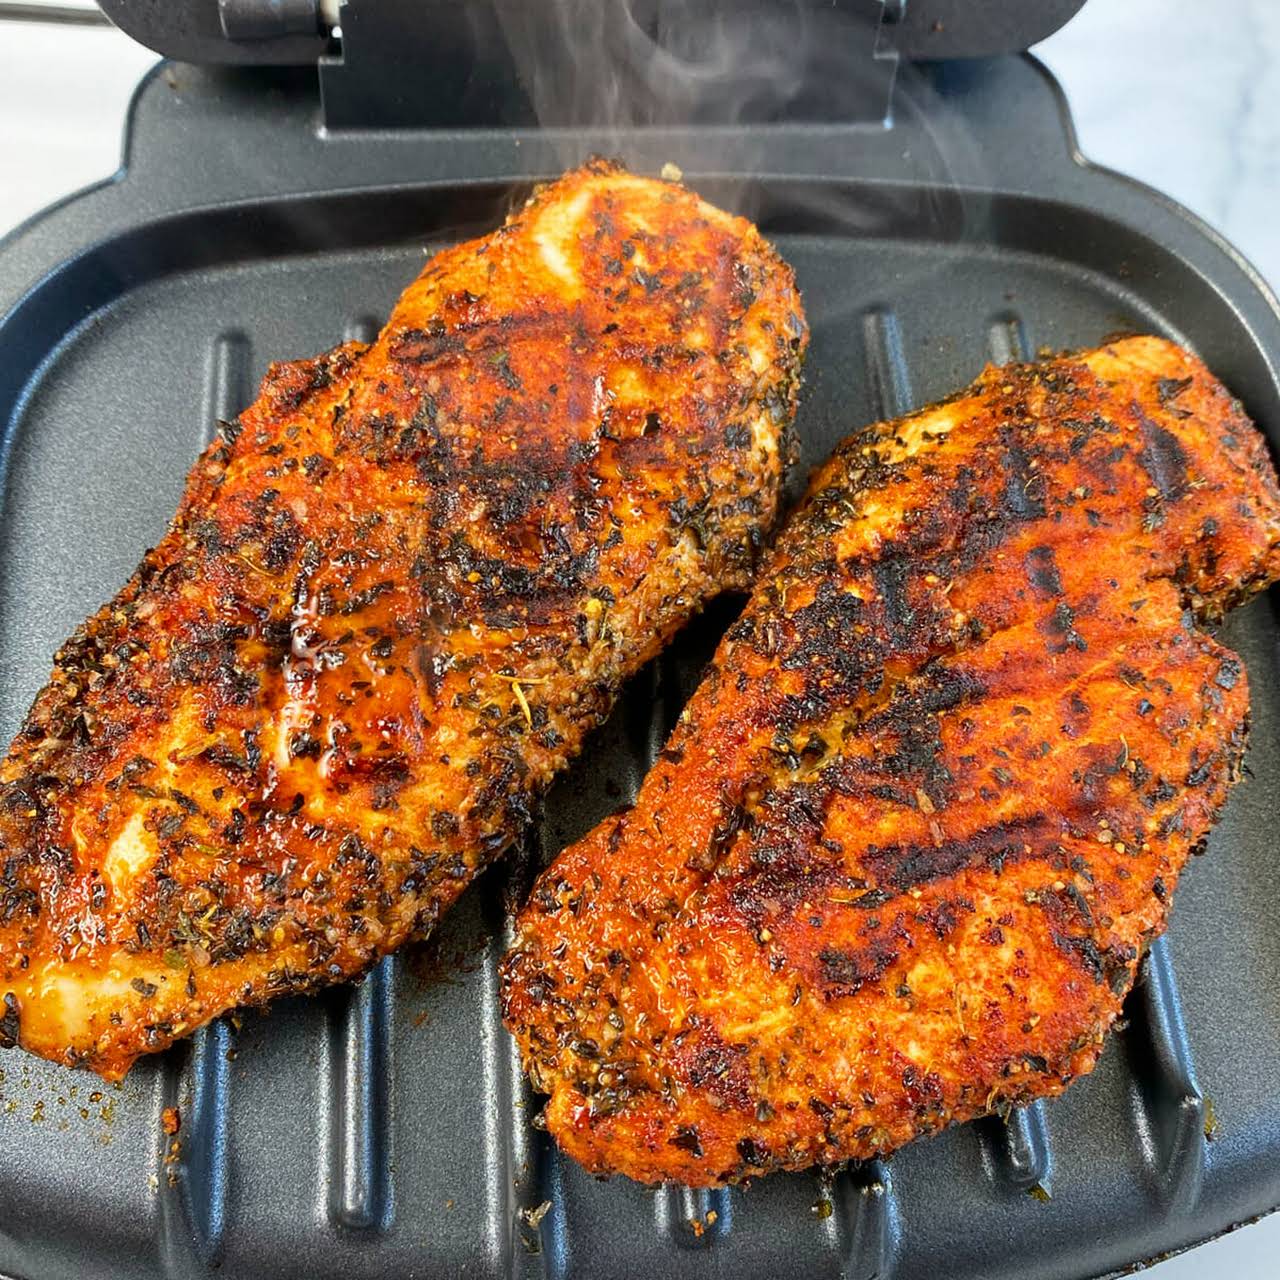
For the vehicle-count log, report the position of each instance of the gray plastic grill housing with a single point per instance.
(385, 1130)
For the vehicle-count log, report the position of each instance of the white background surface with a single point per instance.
(1183, 95)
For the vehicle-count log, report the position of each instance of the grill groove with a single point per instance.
(193, 1218)
(870, 1223)
(1007, 339)
(360, 1190)
(226, 389)
(693, 1217)
(361, 329)
(202, 1172)
(1172, 1109)
(360, 1034)
(868, 1213)
(529, 1154)
(888, 378)
(1024, 1156)
(554, 1228)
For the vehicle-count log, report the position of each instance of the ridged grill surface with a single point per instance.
(385, 1129)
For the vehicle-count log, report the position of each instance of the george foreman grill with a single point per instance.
(285, 170)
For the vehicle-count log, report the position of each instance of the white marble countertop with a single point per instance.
(1187, 98)
(1183, 97)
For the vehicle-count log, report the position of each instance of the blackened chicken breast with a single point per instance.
(397, 593)
(898, 862)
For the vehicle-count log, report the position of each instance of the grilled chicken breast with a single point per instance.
(897, 864)
(397, 593)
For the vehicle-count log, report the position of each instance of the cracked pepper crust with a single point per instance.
(898, 863)
(397, 593)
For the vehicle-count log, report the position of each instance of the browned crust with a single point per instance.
(398, 592)
(898, 863)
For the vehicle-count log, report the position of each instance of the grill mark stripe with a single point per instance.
(891, 577)
(1021, 483)
(1163, 459)
(906, 867)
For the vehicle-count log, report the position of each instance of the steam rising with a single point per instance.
(628, 63)
(745, 72)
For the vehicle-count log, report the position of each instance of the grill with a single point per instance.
(385, 1129)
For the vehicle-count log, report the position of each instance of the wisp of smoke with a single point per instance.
(607, 75)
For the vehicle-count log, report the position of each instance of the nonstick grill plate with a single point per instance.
(383, 1130)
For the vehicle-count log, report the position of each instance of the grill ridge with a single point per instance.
(226, 389)
(361, 329)
(501, 1119)
(870, 1228)
(1007, 339)
(194, 1080)
(1172, 1112)
(360, 1182)
(888, 377)
(1026, 1157)
(203, 1172)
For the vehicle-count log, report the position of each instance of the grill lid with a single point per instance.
(452, 63)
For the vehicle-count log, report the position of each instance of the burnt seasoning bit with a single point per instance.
(400, 589)
(897, 864)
